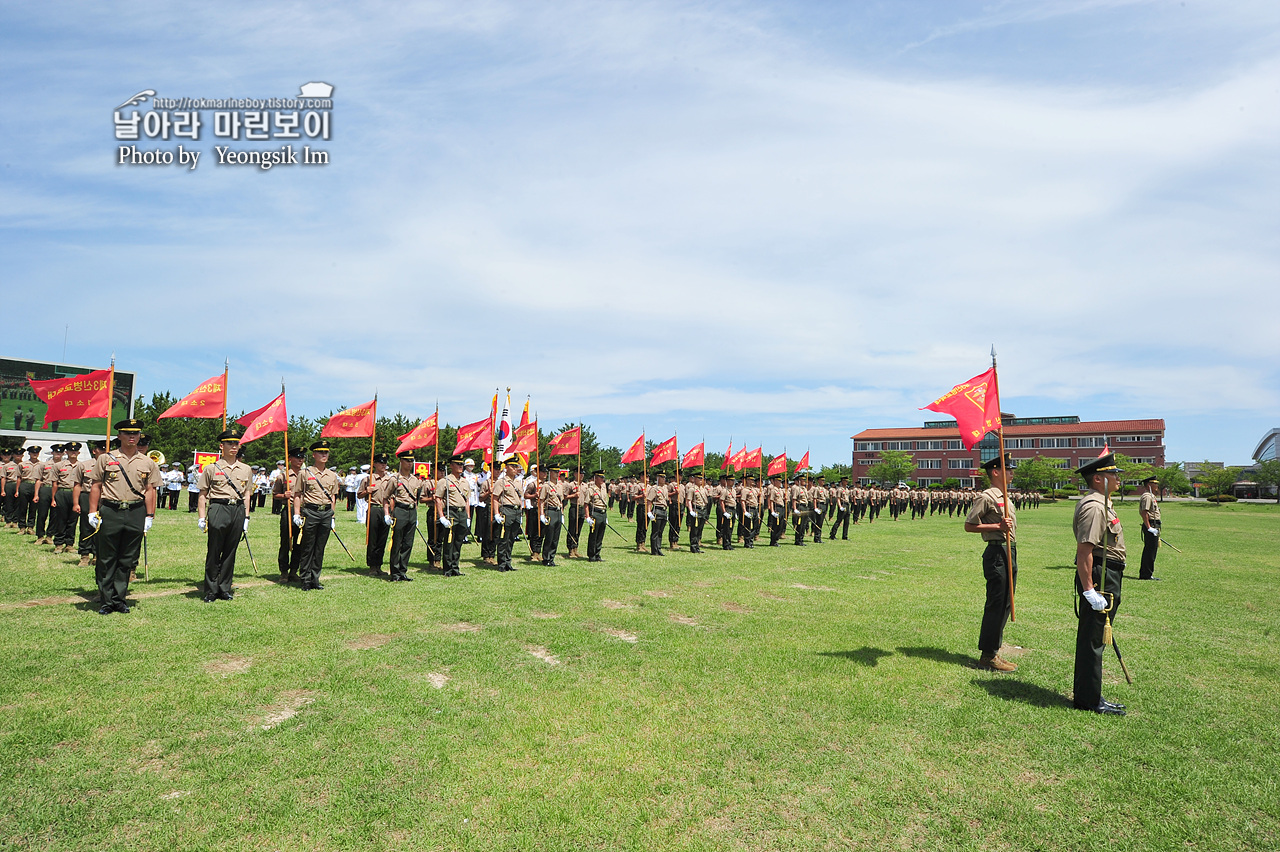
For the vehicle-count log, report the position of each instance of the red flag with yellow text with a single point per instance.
(636, 453)
(696, 457)
(271, 417)
(728, 454)
(735, 461)
(664, 452)
(75, 397)
(207, 401)
(355, 422)
(567, 443)
(778, 466)
(974, 404)
(752, 459)
(422, 435)
(804, 462)
(474, 436)
(525, 440)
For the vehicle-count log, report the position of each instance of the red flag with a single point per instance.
(696, 457)
(974, 404)
(474, 436)
(664, 452)
(525, 440)
(207, 401)
(355, 422)
(754, 458)
(271, 417)
(778, 466)
(724, 465)
(76, 397)
(636, 453)
(804, 462)
(422, 435)
(567, 443)
(735, 461)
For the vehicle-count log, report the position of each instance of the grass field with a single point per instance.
(787, 698)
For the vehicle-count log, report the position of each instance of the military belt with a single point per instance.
(121, 505)
(222, 501)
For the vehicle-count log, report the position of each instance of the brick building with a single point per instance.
(1066, 441)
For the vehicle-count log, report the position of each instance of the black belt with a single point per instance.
(316, 506)
(222, 501)
(121, 505)
(60, 490)
(404, 505)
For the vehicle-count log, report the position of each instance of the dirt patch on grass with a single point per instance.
(1012, 650)
(543, 654)
(812, 588)
(437, 679)
(228, 665)
(621, 634)
(369, 641)
(286, 707)
(683, 619)
(616, 605)
(176, 794)
(45, 602)
(865, 577)
(730, 606)
(657, 594)
(544, 615)
(463, 627)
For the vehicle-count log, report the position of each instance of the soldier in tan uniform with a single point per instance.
(635, 495)
(995, 521)
(399, 494)
(28, 490)
(775, 503)
(44, 495)
(80, 503)
(697, 510)
(818, 507)
(843, 508)
(226, 487)
(1149, 512)
(122, 507)
(9, 485)
(798, 498)
(675, 504)
(551, 514)
(750, 498)
(574, 517)
(64, 481)
(289, 553)
(727, 503)
(506, 493)
(369, 491)
(1099, 574)
(533, 524)
(655, 511)
(453, 508)
(595, 508)
(315, 494)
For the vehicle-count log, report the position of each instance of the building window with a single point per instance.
(955, 445)
(928, 482)
(1056, 442)
(959, 464)
(1019, 443)
(867, 462)
(929, 464)
(867, 447)
(966, 482)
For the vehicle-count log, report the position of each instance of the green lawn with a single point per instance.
(783, 698)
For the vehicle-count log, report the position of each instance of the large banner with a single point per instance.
(22, 412)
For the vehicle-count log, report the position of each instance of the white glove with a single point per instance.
(1153, 531)
(146, 525)
(543, 518)
(590, 522)
(445, 522)
(333, 523)
(246, 524)
(297, 520)
(795, 511)
(387, 518)
(1097, 601)
(94, 519)
(203, 525)
(480, 505)
(468, 523)
(775, 514)
(502, 520)
(746, 514)
(693, 514)
(650, 516)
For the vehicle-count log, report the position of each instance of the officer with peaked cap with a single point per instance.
(655, 504)
(506, 494)
(1099, 575)
(64, 481)
(595, 508)
(87, 547)
(990, 517)
(397, 499)
(28, 489)
(315, 494)
(226, 487)
(369, 491)
(288, 556)
(1149, 513)
(122, 507)
(453, 508)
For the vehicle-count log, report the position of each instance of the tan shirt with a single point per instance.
(454, 492)
(800, 496)
(64, 474)
(506, 493)
(317, 487)
(988, 508)
(284, 484)
(1098, 524)
(1149, 504)
(400, 488)
(220, 481)
(656, 496)
(697, 496)
(29, 471)
(595, 497)
(750, 497)
(114, 468)
(729, 495)
(48, 474)
(551, 495)
(80, 473)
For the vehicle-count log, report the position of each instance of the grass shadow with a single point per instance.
(1018, 690)
(865, 655)
(938, 655)
(1059, 568)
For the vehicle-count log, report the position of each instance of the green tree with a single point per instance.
(1132, 471)
(1268, 473)
(1217, 480)
(1173, 479)
(1035, 473)
(892, 467)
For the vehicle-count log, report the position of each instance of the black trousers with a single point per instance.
(482, 528)
(595, 539)
(225, 524)
(724, 528)
(819, 513)
(674, 518)
(995, 613)
(1089, 632)
(1150, 547)
(800, 518)
(506, 533)
(573, 527)
(26, 508)
(642, 526)
(697, 524)
(452, 541)
(290, 552)
(64, 528)
(88, 546)
(551, 535)
(173, 500)
(777, 526)
(656, 529)
(378, 529)
(406, 526)
(42, 511)
(193, 498)
(533, 530)
(842, 518)
(748, 527)
(119, 540)
(315, 537)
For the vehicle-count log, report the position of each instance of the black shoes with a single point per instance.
(106, 610)
(226, 596)
(122, 608)
(208, 599)
(1105, 708)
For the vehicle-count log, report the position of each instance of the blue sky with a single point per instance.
(778, 222)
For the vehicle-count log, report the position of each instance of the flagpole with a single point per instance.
(493, 461)
(111, 398)
(1004, 480)
(373, 441)
(288, 506)
(226, 375)
(435, 473)
(537, 449)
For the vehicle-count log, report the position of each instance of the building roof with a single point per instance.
(1273, 438)
(1089, 427)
